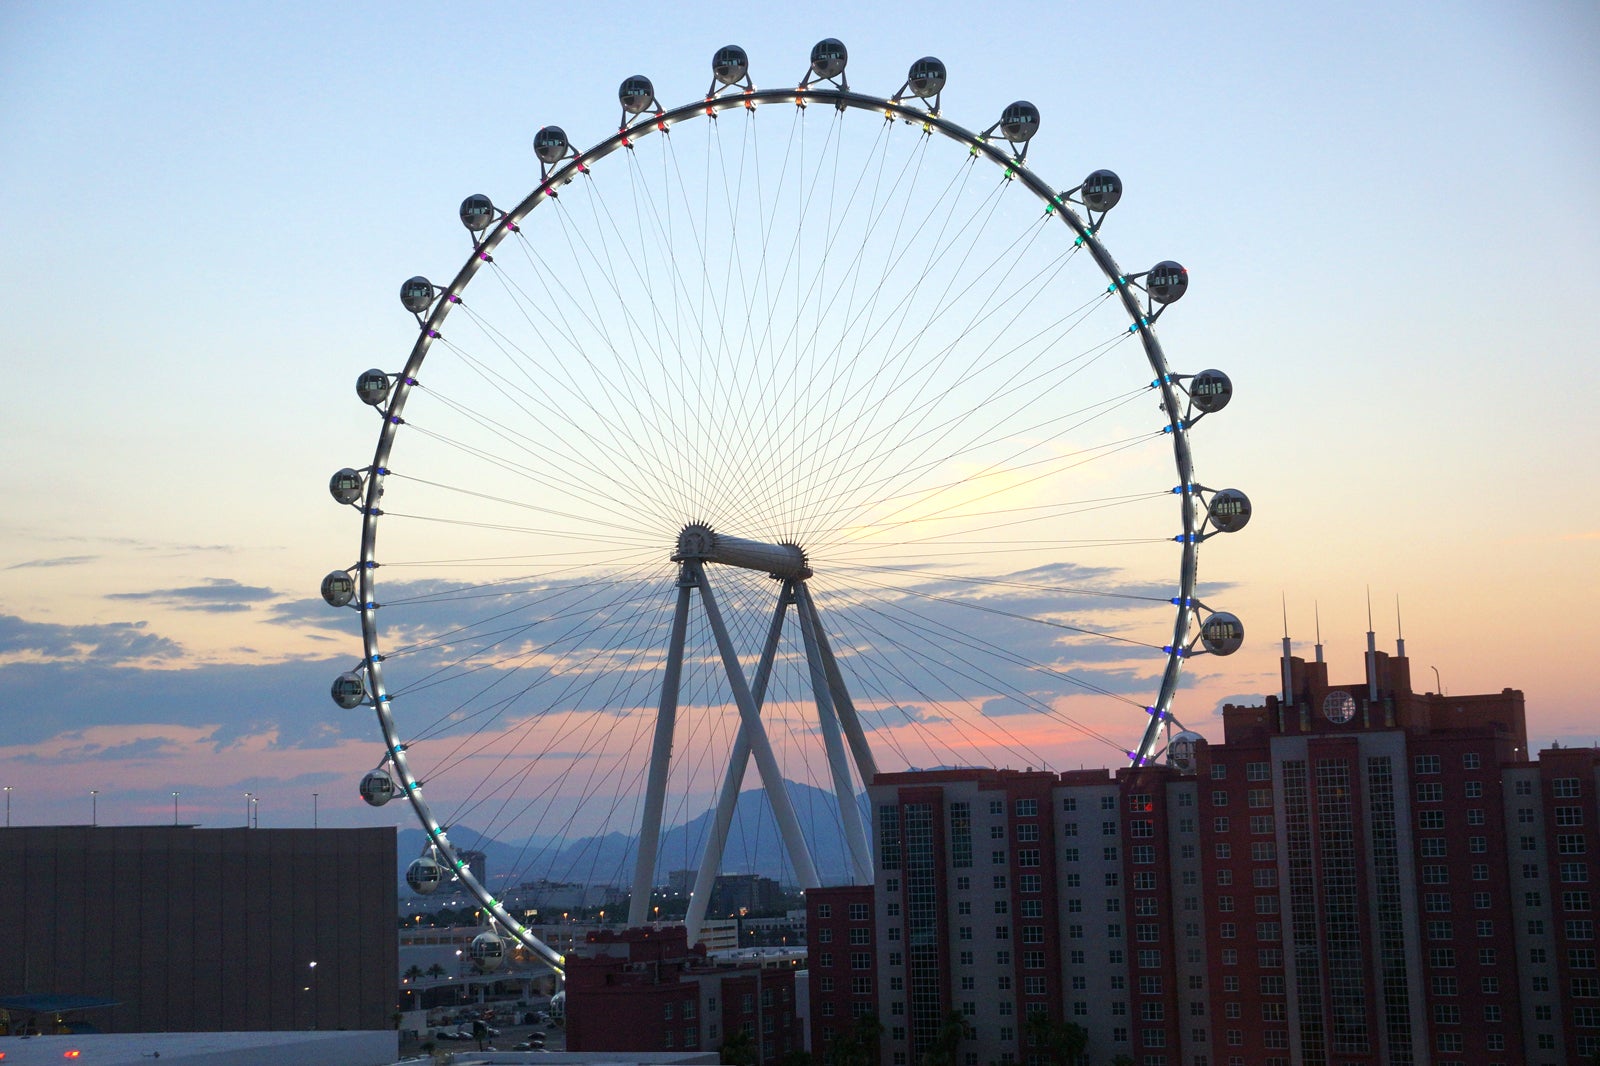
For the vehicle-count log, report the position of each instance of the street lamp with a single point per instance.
(94, 806)
(8, 806)
(314, 810)
(255, 806)
(175, 808)
(248, 799)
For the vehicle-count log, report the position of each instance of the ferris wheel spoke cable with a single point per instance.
(908, 623)
(898, 440)
(683, 441)
(800, 439)
(1051, 466)
(932, 670)
(579, 615)
(524, 362)
(894, 361)
(902, 485)
(579, 683)
(530, 599)
(601, 385)
(937, 433)
(783, 354)
(642, 394)
(618, 473)
(957, 510)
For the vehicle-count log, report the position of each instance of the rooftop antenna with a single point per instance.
(1372, 653)
(1288, 669)
(1400, 632)
(1317, 608)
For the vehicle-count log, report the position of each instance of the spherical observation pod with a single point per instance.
(828, 58)
(1102, 190)
(345, 485)
(550, 144)
(350, 690)
(377, 788)
(1167, 282)
(636, 94)
(488, 951)
(424, 876)
(1181, 752)
(477, 212)
(1210, 390)
(730, 64)
(417, 294)
(1019, 122)
(1222, 633)
(1229, 511)
(338, 588)
(1338, 707)
(373, 387)
(927, 77)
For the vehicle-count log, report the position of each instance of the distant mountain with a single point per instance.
(754, 846)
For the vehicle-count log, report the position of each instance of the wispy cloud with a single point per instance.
(217, 595)
(59, 560)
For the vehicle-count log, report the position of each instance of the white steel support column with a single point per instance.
(771, 777)
(655, 794)
(839, 770)
(866, 765)
(738, 762)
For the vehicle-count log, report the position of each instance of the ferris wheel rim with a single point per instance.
(448, 297)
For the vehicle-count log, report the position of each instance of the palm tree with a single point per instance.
(436, 970)
(952, 1031)
(413, 973)
(739, 1049)
(1063, 1043)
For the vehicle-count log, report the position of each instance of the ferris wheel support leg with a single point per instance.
(738, 762)
(771, 777)
(655, 796)
(866, 765)
(843, 791)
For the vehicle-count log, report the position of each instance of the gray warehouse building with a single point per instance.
(184, 929)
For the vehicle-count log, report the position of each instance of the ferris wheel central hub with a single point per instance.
(699, 541)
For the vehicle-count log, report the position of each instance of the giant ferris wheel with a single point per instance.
(800, 427)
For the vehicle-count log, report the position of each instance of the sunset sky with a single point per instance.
(1390, 214)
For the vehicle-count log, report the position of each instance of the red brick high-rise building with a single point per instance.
(645, 990)
(1355, 874)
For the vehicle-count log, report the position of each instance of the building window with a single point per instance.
(1069, 804)
(1565, 788)
(1430, 792)
(1430, 820)
(1469, 761)
(1426, 764)
(1027, 808)
(824, 910)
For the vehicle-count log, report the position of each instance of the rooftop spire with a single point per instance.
(1317, 610)
(1372, 653)
(1399, 630)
